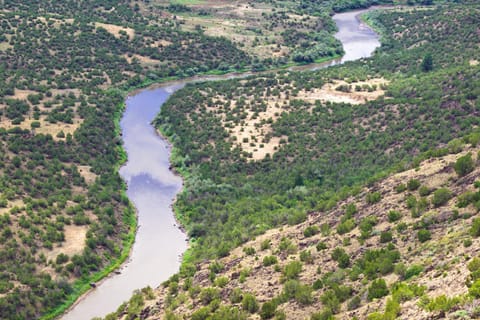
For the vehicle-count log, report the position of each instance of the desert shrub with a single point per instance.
(287, 246)
(330, 301)
(424, 191)
(236, 295)
(249, 251)
(346, 226)
(385, 236)
(400, 188)
(321, 246)
(412, 271)
(442, 303)
(354, 303)
(207, 295)
(340, 256)
(265, 244)
(441, 197)
(249, 303)
(311, 231)
(268, 310)
(394, 215)
(464, 165)
(475, 228)
(306, 256)
(292, 270)
(413, 184)
(269, 260)
(325, 314)
(373, 197)
(424, 235)
(377, 289)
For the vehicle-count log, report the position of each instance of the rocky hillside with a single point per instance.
(404, 247)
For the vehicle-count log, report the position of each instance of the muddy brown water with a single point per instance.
(152, 186)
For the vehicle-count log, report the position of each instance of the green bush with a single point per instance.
(325, 314)
(269, 260)
(441, 197)
(306, 256)
(207, 295)
(346, 226)
(424, 191)
(373, 197)
(249, 303)
(475, 228)
(292, 270)
(354, 303)
(321, 246)
(340, 256)
(464, 165)
(413, 270)
(385, 236)
(268, 310)
(424, 235)
(413, 184)
(394, 215)
(311, 231)
(377, 289)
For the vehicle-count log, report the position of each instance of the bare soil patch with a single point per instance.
(116, 30)
(330, 92)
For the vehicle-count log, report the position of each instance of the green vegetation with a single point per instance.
(243, 198)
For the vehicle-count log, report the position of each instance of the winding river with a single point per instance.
(159, 243)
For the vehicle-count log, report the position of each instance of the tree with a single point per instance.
(427, 63)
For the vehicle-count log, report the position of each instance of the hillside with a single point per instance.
(405, 247)
(263, 151)
(284, 159)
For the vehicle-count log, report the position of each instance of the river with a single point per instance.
(159, 243)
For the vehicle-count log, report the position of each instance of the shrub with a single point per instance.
(292, 270)
(325, 314)
(269, 260)
(249, 251)
(441, 197)
(306, 256)
(268, 310)
(207, 295)
(346, 226)
(317, 284)
(413, 270)
(354, 303)
(377, 289)
(475, 228)
(61, 258)
(464, 165)
(373, 197)
(442, 303)
(321, 246)
(413, 184)
(424, 235)
(385, 236)
(394, 215)
(311, 231)
(265, 244)
(341, 257)
(330, 301)
(400, 188)
(474, 290)
(236, 295)
(249, 303)
(424, 191)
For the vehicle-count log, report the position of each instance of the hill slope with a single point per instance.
(411, 239)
